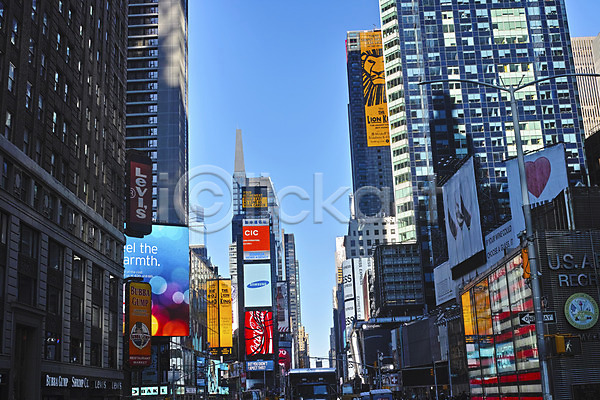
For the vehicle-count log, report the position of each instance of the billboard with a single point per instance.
(219, 316)
(546, 172)
(138, 300)
(256, 239)
(259, 332)
(258, 290)
(463, 223)
(374, 98)
(254, 199)
(283, 311)
(499, 241)
(138, 215)
(162, 259)
(285, 356)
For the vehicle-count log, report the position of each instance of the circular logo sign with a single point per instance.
(140, 335)
(581, 310)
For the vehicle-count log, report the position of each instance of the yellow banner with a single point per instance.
(375, 102)
(225, 334)
(212, 310)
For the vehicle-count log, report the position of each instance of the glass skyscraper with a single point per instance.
(157, 100)
(433, 126)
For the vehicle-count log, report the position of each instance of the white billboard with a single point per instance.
(257, 285)
(499, 241)
(445, 288)
(348, 280)
(463, 222)
(361, 265)
(546, 172)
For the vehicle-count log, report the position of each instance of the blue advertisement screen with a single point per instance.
(162, 259)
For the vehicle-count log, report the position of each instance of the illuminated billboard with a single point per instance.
(374, 99)
(256, 239)
(162, 259)
(255, 198)
(218, 298)
(463, 222)
(138, 300)
(138, 216)
(259, 332)
(257, 285)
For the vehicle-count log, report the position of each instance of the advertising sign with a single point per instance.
(266, 365)
(374, 98)
(463, 223)
(162, 259)
(255, 198)
(445, 288)
(258, 290)
(361, 265)
(139, 322)
(282, 302)
(499, 241)
(546, 172)
(285, 357)
(219, 315)
(256, 239)
(347, 279)
(138, 218)
(259, 332)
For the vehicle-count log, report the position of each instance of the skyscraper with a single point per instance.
(586, 56)
(369, 132)
(61, 232)
(157, 100)
(433, 125)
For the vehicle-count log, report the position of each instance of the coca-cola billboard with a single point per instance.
(259, 332)
(139, 195)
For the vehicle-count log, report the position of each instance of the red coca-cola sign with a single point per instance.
(259, 332)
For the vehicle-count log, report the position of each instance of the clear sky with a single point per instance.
(276, 70)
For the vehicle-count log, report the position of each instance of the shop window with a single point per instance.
(96, 354)
(76, 351)
(52, 346)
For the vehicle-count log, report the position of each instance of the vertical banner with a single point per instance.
(375, 102)
(225, 316)
(163, 260)
(259, 332)
(138, 323)
(212, 314)
(138, 216)
(463, 221)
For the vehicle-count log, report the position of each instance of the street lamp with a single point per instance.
(529, 234)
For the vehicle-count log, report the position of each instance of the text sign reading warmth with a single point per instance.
(162, 260)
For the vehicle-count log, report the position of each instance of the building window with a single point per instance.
(96, 316)
(8, 125)
(78, 273)
(97, 278)
(77, 309)
(29, 241)
(28, 90)
(11, 77)
(76, 351)
(14, 36)
(52, 346)
(26, 287)
(96, 354)
(54, 300)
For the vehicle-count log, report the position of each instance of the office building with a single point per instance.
(432, 125)
(367, 119)
(586, 57)
(157, 101)
(61, 193)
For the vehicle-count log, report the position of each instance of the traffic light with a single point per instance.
(566, 345)
(526, 266)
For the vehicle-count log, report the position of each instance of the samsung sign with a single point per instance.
(257, 285)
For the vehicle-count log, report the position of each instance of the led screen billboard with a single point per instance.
(256, 239)
(254, 198)
(258, 290)
(259, 332)
(138, 300)
(375, 102)
(463, 222)
(282, 302)
(162, 259)
(138, 215)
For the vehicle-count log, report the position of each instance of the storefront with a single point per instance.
(502, 356)
(70, 387)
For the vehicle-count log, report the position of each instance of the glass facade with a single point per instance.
(157, 121)
(502, 355)
(433, 126)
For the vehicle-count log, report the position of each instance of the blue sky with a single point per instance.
(276, 70)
